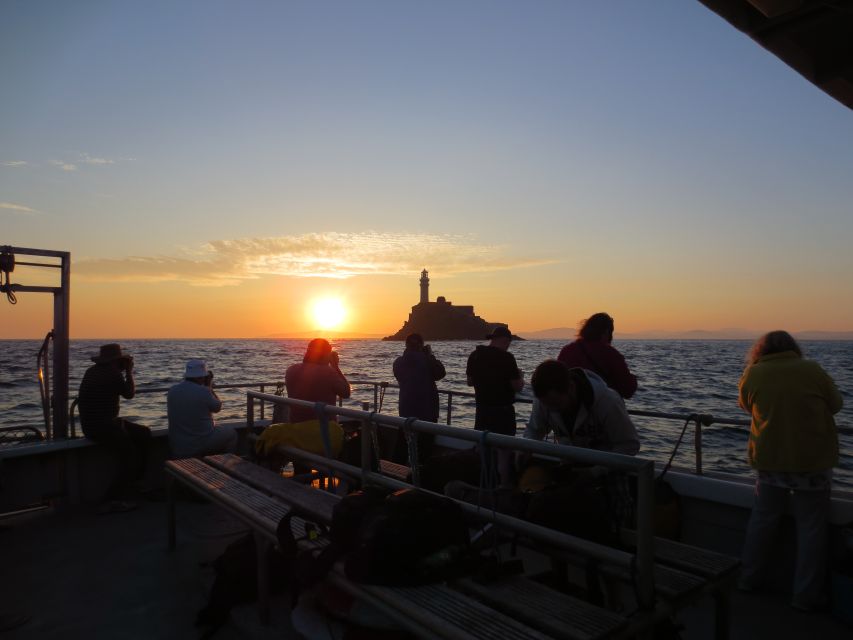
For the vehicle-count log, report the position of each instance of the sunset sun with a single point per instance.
(328, 313)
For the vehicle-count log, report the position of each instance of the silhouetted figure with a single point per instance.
(191, 405)
(496, 378)
(417, 371)
(592, 351)
(111, 378)
(318, 378)
(793, 445)
(582, 411)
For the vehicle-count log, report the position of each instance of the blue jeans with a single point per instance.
(811, 509)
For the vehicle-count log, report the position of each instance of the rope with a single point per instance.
(374, 438)
(691, 418)
(383, 386)
(7, 266)
(412, 447)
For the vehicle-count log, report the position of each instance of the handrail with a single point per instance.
(642, 561)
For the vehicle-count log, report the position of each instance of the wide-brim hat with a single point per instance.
(500, 332)
(196, 369)
(110, 353)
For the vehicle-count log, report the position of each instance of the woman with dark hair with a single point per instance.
(318, 378)
(793, 445)
(592, 351)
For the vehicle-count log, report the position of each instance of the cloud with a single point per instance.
(17, 208)
(14, 163)
(86, 158)
(325, 255)
(65, 166)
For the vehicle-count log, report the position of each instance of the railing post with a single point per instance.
(449, 407)
(250, 410)
(366, 457)
(263, 389)
(376, 396)
(645, 536)
(697, 445)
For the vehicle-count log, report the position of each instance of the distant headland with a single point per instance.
(442, 320)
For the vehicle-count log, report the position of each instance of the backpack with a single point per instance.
(236, 580)
(407, 538)
(413, 538)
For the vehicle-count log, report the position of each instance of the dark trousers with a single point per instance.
(497, 419)
(129, 444)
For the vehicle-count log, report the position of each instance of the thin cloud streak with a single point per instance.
(65, 166)
(86, 158)
(17, 208)
(14, 163)
(319, 255)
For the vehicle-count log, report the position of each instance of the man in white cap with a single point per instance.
(191, 405)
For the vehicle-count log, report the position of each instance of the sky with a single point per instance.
(214, 167)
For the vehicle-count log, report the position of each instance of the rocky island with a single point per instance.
(442, 320)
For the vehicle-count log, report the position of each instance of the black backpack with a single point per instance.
(412, 538)
(407, 538)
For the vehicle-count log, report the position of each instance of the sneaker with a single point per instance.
(117, 506)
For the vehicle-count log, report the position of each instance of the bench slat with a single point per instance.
(688, 558)
(398, 471)
(233, 494)
(449, 614)
(558, 614)
(309, 503)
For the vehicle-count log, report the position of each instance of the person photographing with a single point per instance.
(417, 372)
(190, 406)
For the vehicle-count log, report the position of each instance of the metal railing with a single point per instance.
(262, 386)
(700, 421)
(641, 562)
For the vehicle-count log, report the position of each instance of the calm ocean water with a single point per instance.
(675, 376)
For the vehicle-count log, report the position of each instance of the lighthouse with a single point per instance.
(424, 286)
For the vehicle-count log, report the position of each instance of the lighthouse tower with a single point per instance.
(424, 286)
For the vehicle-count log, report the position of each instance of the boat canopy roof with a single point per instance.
(814, 37)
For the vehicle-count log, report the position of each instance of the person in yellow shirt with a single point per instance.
(793, 446)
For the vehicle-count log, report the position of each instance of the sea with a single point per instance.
(675, 376)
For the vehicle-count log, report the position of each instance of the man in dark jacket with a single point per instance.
(417, 371)
(103, 384)
(496, 378)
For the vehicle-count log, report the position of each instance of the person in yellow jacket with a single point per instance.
(793, 446)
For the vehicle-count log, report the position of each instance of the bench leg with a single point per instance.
(722, 614)
(264, 547)
(170, 509)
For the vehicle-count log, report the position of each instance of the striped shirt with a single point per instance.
(99, 394)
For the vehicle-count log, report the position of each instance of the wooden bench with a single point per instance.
(260, 498)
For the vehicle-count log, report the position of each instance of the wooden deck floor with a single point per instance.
(81, 575)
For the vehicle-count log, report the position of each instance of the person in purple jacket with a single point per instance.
(592, 351)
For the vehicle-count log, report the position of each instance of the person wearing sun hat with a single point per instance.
(190, 406)
(102, 387)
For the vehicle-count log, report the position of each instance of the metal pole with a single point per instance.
(366, 457)
(61, 330)
(375, 396)
(697, 446)
(250, 411)
(645, 536)
(263, 390)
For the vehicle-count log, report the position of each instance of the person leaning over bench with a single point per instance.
(583, 411)
(191, 405)
(110, 378)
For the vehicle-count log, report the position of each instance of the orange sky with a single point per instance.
(528, 299)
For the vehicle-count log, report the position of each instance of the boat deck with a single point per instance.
(79, 574)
